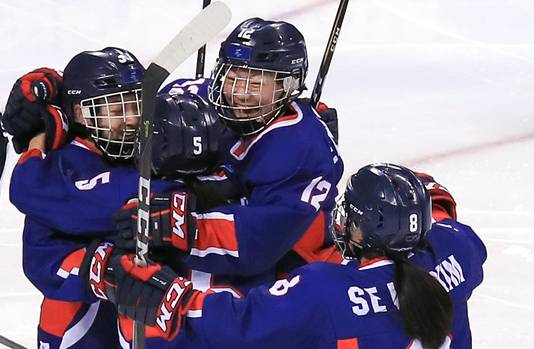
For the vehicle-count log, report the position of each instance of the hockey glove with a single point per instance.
(95, 270)
(220, 188)
(153, 295)
(443, 204)
(172, 222)
(329, 117)
(26, 111)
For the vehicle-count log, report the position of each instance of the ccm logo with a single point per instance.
(96, 270)
(74, 92)
(178, 214)
(166, 309)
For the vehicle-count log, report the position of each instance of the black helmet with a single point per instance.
(266, 49)
(99, 81)
(389, 206)
(186, 136)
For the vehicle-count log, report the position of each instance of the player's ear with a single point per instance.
(78, 114)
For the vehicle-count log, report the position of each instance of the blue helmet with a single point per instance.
(388, 205)
(258, 52)
(187, 135)
(100, 82)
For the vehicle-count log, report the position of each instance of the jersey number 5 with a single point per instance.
(318, 185)
(89, 184)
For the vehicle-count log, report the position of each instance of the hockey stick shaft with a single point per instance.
(329, 52)
(204, 27)
(10, 344)
(201, 54)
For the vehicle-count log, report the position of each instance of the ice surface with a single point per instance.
(446, 87)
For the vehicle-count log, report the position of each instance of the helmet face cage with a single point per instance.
(110, 118)
(342, 229)
(249, 98)
(385, 208)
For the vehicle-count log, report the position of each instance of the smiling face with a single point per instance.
(114, 121)
(253, 93)
(118, 116)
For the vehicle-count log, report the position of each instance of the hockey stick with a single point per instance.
(10, 344)
(3, 150)
(205, 26)
(329, 52)
(201, 54)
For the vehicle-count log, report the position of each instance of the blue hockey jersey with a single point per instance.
(290, 170)
(68, 198)
(324, 305)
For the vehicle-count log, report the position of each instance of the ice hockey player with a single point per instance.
(406, 281)
(69, 196)
(285, 157)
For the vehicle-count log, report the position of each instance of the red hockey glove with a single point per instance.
(171, 222)
(153, 295)
(95, 270)
(41, 85)
(443, 204)
(26, 111)
(56, 127)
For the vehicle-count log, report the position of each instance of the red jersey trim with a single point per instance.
(86, 144)
(71, 264)
(56, 316)
(243, 146)
(349, 343)
(375, 263)
(32, 153)
(216, 235)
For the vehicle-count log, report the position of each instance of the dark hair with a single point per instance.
(424, 305)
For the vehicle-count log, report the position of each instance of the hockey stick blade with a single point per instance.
(201, 29)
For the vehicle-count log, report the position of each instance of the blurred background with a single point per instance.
(444, 87)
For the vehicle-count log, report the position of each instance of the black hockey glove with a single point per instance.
(3, 149)
(172, 222)
(28, 109)
(219, 189)
(153, 295)
(329, 117)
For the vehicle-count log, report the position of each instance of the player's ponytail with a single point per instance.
(425, 307)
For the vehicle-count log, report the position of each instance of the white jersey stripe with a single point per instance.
(194, 313)
(62, 273)
(215, 215)
(377, 264)
(213, 250)
(76, 332)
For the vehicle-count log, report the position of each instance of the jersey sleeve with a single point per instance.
(461, 255)
(73, 190)
(289, 191)
(52, 264)
(282, 315)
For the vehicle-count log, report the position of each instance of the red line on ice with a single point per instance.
(472, 149)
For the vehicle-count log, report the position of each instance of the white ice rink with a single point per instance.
(443, 86)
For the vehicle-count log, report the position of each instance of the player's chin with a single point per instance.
(247, 113)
